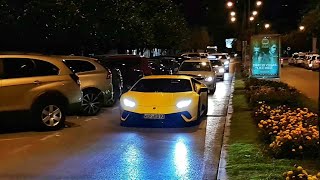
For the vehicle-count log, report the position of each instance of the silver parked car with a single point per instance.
(217, 65)
(202, 70)
(96, 82)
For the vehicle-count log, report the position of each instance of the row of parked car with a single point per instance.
(306, 60)
(49, 87)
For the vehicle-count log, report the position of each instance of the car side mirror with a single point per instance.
(203, 89)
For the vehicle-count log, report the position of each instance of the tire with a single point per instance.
(49, 115)
(92, 102)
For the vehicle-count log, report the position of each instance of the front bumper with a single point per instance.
(132, 119)
(209, 84)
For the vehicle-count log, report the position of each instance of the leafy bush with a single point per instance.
(261, 82)
(273, 95)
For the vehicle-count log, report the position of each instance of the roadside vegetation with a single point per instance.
(273, 132)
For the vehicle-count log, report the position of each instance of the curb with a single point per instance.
(222, 173)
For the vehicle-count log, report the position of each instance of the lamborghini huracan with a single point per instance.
(164, 100)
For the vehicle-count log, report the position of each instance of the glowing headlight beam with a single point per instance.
(183, 103)
(129, 103)
(209, 79)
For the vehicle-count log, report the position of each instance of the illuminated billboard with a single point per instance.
(265, 53)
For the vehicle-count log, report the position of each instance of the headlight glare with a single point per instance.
(227, 62)
(129, 103)
(183, 103)
(221, 70)
(208, 79)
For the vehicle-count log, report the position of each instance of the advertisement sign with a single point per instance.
(265, 55)
(229, 42)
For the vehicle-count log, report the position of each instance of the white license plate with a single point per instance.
(154, 116)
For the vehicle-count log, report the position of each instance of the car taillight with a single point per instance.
(75, 78)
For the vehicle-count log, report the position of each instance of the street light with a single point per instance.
(267, 26)
(301, 28)
(233, 19)
(232, 13)
(230, 4)
(254, 13)
(259, 3)
(251, 18)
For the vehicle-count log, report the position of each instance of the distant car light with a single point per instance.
(208, 79)
(129, 103)
(183, 103)
(221, 70)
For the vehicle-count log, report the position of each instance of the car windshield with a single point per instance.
(195, 66)
(216, 63)
(163, 85)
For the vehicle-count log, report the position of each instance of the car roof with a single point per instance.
(167, 77)
(201, 60)
(76, 57)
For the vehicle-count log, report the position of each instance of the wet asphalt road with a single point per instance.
(304, 80)
(98, 148)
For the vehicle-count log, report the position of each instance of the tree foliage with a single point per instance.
(80, 25)
(311, 20)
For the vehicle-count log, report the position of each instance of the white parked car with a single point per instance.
(315, 63)
(201, 70)
(223, 57)
(217, 65)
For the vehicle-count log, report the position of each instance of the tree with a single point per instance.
(311, 21)
(199, 39)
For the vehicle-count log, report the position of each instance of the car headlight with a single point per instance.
(129, 103)
(183, 103)
(208, 79)
(226, 63)
(221, 70)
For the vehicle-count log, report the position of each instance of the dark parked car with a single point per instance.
(179, 59)
(164, 65)
(132, 68)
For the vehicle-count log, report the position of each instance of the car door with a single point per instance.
(17, 80)
(22, 80)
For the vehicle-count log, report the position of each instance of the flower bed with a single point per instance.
(299, 173)
(288, 130)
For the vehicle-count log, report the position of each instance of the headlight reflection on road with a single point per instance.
(181, 158)
(132, 160)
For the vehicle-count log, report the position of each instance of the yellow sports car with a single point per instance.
(164, 100)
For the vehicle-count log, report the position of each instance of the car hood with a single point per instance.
(197, 73)
(157, 99)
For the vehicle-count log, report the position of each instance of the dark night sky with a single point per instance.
(284, 15)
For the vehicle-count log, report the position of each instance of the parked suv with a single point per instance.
(96, 83)
(41, 85)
